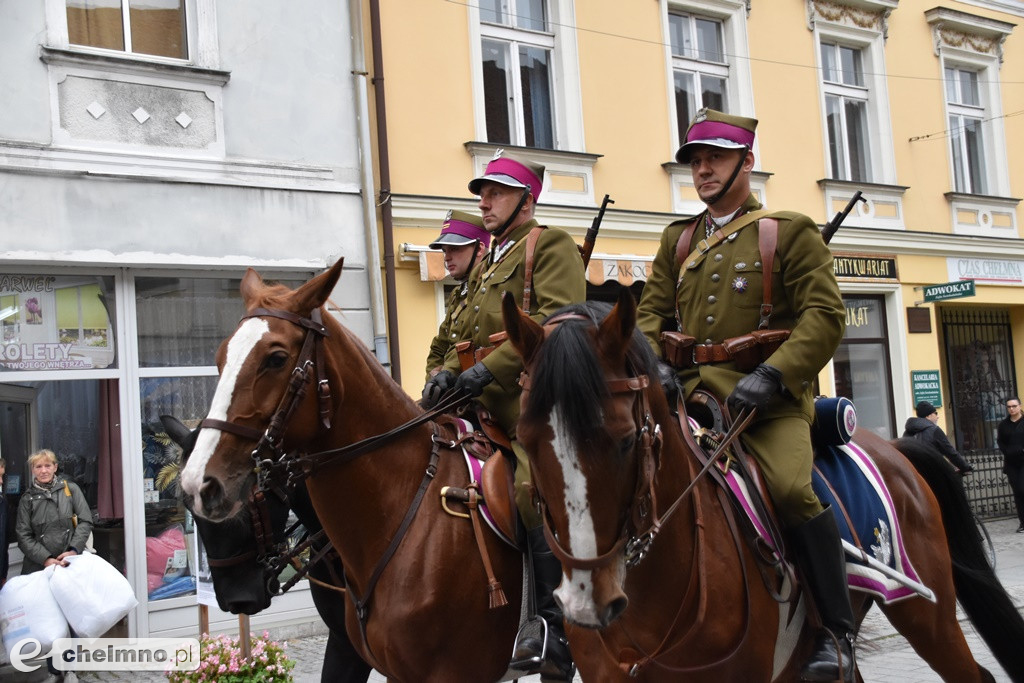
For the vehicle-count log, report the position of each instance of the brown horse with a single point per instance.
(696, 607)
(414, 572)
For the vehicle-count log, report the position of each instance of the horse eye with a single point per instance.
(276, 361)
(627, 445)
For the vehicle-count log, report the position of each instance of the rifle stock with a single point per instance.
(588, 242)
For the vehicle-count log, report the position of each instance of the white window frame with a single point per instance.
(975, 112)
(973, 43)
(699, 68)
(566, 96)
(738, 85)
(870, 43)
(200, 32)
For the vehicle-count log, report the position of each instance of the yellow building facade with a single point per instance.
(914, 104)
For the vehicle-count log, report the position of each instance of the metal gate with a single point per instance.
(981, 375)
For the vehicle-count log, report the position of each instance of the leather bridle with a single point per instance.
(648, 452)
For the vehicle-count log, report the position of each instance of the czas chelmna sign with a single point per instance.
(949, 290)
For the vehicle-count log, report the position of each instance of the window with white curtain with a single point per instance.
(699, 67)
(517, 51)
(967, 117)
(846, 111)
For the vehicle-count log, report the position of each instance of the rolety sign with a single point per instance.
(949, 290)
(55, 322)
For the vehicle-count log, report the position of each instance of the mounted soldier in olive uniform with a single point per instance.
(464, 242)
(542, 268)
(738, 272)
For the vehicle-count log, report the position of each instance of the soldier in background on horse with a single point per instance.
(464, 242)
(755, 313)
(542, 268)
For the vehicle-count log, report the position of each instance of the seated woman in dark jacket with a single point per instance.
(924, 428)
(54, 520)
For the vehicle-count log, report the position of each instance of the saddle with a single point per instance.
(844, 476)
(489, 494)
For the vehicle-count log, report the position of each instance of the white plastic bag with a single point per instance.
(29, 610)
(92, 594)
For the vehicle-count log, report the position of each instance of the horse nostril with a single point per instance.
(614, 609)
(211, 493)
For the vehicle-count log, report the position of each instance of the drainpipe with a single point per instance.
(384, 170)
(373, 256)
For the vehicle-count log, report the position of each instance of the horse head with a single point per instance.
(241, 583)
(262, 402)
(593, 447)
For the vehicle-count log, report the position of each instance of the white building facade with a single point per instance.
(149, 153)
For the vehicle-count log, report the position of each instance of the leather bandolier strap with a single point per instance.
(682, 350)
(467, 352)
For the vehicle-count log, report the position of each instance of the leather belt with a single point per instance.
(709, 353)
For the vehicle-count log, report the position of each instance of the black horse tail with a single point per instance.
(978, 590)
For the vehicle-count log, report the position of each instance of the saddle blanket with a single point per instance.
(476, 467)
(846, 477)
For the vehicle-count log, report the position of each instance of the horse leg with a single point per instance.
(934, 632)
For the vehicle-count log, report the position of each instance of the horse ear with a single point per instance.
(180, 434)
(314, 293)
(616, 331)
(523, 332)
(251, 283)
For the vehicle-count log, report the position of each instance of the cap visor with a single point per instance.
(451, 240)
(500, 178)
(683, 155)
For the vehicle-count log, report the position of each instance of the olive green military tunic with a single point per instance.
(558, 280)
(452, 327)
(721, 298)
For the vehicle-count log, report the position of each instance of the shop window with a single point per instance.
(79, 420)
(56, 322)
(181, 323)
(170, 560)
(861, 365)
(147, 27)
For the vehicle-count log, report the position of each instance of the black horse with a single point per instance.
(247, 587)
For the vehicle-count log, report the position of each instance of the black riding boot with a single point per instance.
(557, 664)
(820, 556)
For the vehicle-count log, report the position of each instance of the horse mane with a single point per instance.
(569, 376)
(273, 295)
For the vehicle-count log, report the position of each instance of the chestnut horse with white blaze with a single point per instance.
(611, 468)
(417, 585)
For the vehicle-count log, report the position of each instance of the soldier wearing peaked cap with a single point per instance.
(508, 191)
(464, 242)
(736, 269)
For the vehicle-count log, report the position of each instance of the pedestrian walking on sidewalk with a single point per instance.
(925, 428)
(1010, 439)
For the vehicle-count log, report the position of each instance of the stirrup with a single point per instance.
(534, 662)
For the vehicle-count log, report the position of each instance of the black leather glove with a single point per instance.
(755, 389)
(473, 381)
(436, 387)
(667, 377)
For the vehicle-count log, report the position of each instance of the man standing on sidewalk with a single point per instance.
(1010, 439)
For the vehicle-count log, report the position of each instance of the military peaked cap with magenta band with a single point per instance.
(461, 228)
(513, 172)
(716, 129)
